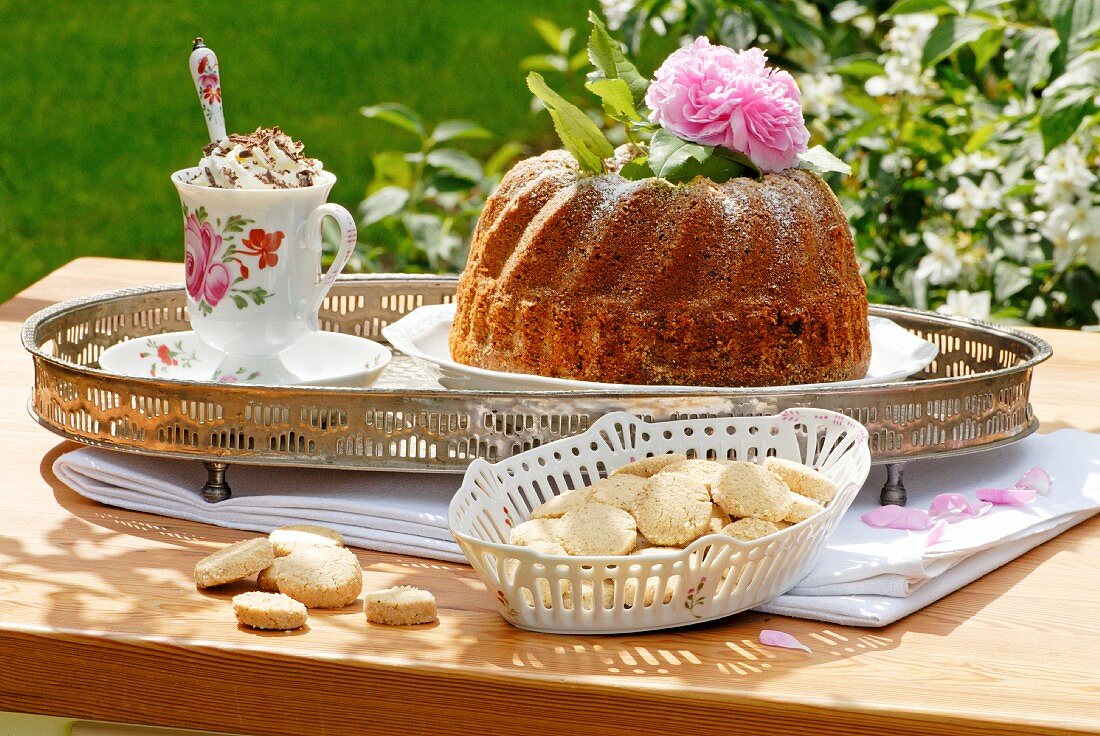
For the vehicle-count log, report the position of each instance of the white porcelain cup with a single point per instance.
(253, 269)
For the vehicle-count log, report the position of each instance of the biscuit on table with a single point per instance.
(556, 506)
(533, 530)
(272, 611)
(286, 539)
(649, 466)
(320, 577)
(704, 471)
(238, 560)
(267, 579)
(597, 529)
(618, 490)
(746, 489)
(749, 529)
(672, 510)
(802, 508)
(803, 480)
(402, 605)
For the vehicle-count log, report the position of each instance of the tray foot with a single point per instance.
(216, 489)
(893, 490)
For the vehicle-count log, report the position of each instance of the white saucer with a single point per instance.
(322, 359)
(422, 334)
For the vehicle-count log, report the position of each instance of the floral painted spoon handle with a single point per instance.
(208, 83)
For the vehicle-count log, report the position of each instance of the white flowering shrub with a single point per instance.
(970, 126)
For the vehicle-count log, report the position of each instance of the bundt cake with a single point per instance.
(751, 282)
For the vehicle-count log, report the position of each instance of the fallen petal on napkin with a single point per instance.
(402, 513)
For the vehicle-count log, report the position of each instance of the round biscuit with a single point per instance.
(672, 510)
(747, 489)
(802, 508)
(402, 605)
(618, 490)
(233, 562)
(267, 579)
(649, 466)
(533, 530)
(749, 529)
(556, 506)
(704, 471)
(718, 520)
(320, 577)
(803, 480)
(597, 529)
(270, 611)
(286, 539)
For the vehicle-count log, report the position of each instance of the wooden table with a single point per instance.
(99, 618)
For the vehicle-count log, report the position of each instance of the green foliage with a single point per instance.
(577, 132)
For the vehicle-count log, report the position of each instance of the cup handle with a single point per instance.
(348, 237)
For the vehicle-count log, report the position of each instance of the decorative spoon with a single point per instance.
(208, 83)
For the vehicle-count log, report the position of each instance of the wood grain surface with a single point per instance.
(100, 619)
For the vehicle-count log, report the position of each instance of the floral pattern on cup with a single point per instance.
(241, 374)
(165, 356)
(213, 262)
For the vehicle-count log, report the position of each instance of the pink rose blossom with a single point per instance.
(719, 97)
(206, 279)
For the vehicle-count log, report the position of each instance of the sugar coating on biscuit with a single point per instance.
(272, 611)
(749, 529)
(597, 529)
(402, 605)
(267, 579)
(533, 530)
(649, 466)
(803, 480)
(556, 506)
(704, 471)
(802, 508)
(238, 560)
(620, 491)
(746, 489)
(320, 577)
(673, 509)
(286, 539)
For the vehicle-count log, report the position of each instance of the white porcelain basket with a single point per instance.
(715, 576)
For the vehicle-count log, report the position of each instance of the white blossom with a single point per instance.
(970, 200)
(974, 305)
(1064, 175)
(821, 94)
(1072, 228)
(615, 11)
(942, 265)
(974, 163)
(903, 71)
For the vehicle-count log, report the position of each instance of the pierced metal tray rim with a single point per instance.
(1041, 351)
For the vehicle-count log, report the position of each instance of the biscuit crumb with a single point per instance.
(270, 611)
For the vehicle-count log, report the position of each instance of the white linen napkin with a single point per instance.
(403, 513)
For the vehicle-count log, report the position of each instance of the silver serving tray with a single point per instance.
(974, 396)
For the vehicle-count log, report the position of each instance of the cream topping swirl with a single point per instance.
(266, 159)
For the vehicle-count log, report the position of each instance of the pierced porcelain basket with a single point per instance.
(715, 576)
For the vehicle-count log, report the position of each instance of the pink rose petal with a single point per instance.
(1036, 479)
(897, 517)
(936, 533)
(770, 638)
(954, 507)
(1006, 496)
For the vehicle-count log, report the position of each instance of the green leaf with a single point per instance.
(607, 56)
(1060, 114)
(676, 160)
(239, 300)
(636, 170)
(986, 47)
(502, 157)
(549, 31)
(544, 63)
(454, 130)
(908, 7)
(951, 33)
(1009, 279)
(386, 202)
(391, 167)
(616, 98)
(458, 163)
(860, 69)
(396, 115)
(737, 29)
(578, 133)
(1030, 65)
(980, 137)
(1072, 18)
(819, 160)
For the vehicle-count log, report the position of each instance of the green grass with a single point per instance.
(100, 108)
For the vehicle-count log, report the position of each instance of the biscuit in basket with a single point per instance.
(649, 466)
(673, 509)
(286, 539)
(320, 577)
(402, 605)
(746, 489)
(556, 506)
(704, 471)
(802, 508)
(271, 611)
(597, 529)
(533, 530)
(236, 561)
(618, 490)
(802, 479)
(718, 520)
(749, 529)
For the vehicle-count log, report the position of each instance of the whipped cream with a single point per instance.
(266, 159)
